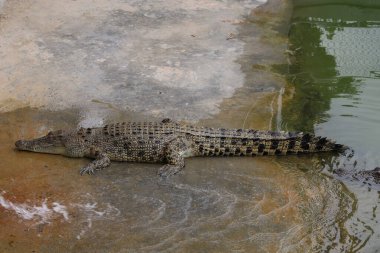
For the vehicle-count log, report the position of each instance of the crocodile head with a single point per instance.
(56, 142)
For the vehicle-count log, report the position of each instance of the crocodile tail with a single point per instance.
(252, 143)
(308, 143)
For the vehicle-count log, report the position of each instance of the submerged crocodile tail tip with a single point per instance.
(340, 147)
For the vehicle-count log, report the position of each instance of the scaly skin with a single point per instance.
(170, 142)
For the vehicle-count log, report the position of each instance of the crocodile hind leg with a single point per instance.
(101, 161)
(174, 157)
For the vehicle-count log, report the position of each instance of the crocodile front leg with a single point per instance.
(101, 161)
(171, 169)
(175, 157)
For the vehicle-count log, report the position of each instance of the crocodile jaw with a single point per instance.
(37, 146)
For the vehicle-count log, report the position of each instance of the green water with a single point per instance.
(335, 74)
(333, 89)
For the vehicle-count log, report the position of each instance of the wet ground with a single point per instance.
(227, 64)
(215, 205)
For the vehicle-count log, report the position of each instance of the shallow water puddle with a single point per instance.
(39, 214)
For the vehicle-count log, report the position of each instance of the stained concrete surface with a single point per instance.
(214, 205)
(179, 57)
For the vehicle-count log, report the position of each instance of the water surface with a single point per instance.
(333, 88)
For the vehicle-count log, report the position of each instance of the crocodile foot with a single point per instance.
(88, 169)
(168, 170)
(99, 163)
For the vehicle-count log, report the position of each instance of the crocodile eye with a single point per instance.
(50, 133)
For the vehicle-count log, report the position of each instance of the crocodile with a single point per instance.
(170, 142)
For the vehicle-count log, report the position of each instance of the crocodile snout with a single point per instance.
(20, 144)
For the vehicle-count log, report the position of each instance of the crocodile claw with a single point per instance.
(168, 170)
(87, 170)
(101, 161)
